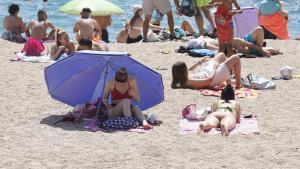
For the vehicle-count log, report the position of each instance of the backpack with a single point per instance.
(201, 52)
(257, 82)
(187, 8)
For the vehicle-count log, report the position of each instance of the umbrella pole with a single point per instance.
(105, 76)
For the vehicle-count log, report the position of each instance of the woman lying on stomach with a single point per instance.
(226, 113)
(212, 73)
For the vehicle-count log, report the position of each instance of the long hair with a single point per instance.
(179, 75)
(58, 34)
(135, 16)
(228, 93)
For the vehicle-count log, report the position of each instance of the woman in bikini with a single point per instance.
(122, 90)
(63, 47)
(136, 26)
(212, 73)
(226, 113)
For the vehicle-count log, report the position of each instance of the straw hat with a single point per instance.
(136, 8)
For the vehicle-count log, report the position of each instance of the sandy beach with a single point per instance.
(29, 139)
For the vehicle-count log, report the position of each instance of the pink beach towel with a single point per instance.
(245, 127)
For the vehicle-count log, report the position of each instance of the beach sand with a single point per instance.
(30, 140)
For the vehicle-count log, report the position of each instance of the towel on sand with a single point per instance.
(37, 59)
(240, 93)
(276, 24)
(92, 126)
(248, 125)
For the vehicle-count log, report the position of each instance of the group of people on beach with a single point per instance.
(91, 34)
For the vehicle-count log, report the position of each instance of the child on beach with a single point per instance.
(223, 19)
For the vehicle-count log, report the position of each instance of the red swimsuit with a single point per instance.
(115, 94)
(223, 23)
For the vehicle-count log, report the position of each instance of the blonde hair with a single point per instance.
(58, 34)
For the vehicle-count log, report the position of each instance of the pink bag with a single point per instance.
(191, 112)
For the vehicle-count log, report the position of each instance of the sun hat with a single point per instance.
(136, 8)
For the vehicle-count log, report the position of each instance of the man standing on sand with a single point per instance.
(13, 25)
(87, 27)
(164, 6)
(38, 28)
(104, 22)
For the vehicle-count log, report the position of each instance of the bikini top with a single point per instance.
(116, 94)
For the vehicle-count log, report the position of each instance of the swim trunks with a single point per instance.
(201, 3)
(164, 6)
(134, 40)
(33, 47)
(13, 37)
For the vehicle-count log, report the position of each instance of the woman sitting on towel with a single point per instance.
(226, 113)
(123, 88)
(212, 73)
(63, 47)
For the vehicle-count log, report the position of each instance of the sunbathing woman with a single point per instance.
(226, 113)
(213, 73)
(253, 43)
(122, 89)
(136, 26)
(63, 47)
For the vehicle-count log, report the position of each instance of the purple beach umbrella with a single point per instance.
(244, 23)
(82, 77)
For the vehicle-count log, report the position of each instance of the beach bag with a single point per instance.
(187, 8)
(287, 72)
(257, 82)
(120, 123)
(201, 52)
(192, 112)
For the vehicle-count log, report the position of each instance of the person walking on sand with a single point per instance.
(13, 25)
(163, 6)
(87, 27)
(104, 22)
(38, 28)
(223, 19)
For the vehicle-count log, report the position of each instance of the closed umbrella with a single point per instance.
(98, 7)
(82, 77)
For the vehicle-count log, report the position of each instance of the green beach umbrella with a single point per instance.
(98, 7)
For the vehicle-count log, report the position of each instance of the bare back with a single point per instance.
(103, 21)
(136, 28)
(13, 24)
(86, 27)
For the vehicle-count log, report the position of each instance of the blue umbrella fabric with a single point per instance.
(82, 77)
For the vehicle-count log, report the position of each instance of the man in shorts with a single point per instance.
(164, 6)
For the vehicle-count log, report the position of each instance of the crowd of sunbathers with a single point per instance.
(92, 34)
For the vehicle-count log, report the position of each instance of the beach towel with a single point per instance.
(36, 59)
(276, 24)
(93, 126)
(240, 93)
(246, 126)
